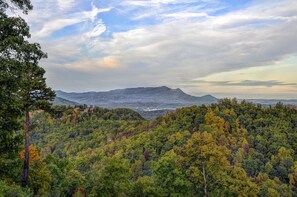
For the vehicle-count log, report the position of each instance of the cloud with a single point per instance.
(163, 10)
(66, 4)
(151, 3)
(186, 15)
(92, 15)
(87, 65)
(55, 25)
(46, 19)
(198, 49)
(269, 83)
(97, 30)
(168, 42)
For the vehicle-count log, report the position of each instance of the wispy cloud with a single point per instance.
(151, 3)
(251, 83)
(186, 15)
(66, 4)
(54, 15)
(87, 65)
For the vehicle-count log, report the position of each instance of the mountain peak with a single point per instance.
(209, 97)
(140, 99)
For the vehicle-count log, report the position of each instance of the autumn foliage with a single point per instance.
(33, 154)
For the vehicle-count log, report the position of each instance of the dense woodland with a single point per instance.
(227, 149)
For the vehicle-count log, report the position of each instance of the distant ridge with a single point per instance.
(62, 101)
(150, 102)
(140, 99)
(267, 102)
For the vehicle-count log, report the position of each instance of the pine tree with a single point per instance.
(34, 94)
(13, 34)
(22, 82)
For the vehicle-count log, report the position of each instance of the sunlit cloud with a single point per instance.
(88, 65)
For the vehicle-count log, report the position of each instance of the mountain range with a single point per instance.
(145, 100)
(148, 101)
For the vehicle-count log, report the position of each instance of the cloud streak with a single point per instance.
(54, 15)
(251, 83)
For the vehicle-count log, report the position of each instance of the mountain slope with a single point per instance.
(246, 149)
(143, 98)
(62, 101)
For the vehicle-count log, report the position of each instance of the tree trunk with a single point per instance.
(27, 144)
(204, 179)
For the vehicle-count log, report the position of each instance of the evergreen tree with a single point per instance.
(21, 79)
(13, 34)
(34, 94)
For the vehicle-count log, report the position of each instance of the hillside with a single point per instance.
(227, 149)
(61, 101)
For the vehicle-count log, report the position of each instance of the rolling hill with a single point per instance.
(62, 101)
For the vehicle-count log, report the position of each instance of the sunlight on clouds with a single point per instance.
(108, 62)
(246, 92)
(260, 12)
(97, 64)
(278, 81)
(284, 70)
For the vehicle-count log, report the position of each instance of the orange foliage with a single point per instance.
(33, 154)
(79, 193)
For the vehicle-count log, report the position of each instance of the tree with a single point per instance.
(145, 186)
(113, 179)
(21, 78)
(21, 81)
(206, 164)
(39, 175)
(34, 94)
(13, 34)
(169, 177)
(24, 5)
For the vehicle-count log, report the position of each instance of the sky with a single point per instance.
(227, 48)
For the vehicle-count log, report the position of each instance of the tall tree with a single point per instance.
(34, 94)
(206, 164)
(21, 79)
(13, 34)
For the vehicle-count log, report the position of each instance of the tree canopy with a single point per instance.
(227, 149)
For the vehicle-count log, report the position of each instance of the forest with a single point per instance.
(226, 149)
(229, 148)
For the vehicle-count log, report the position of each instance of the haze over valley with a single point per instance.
(148, 101)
